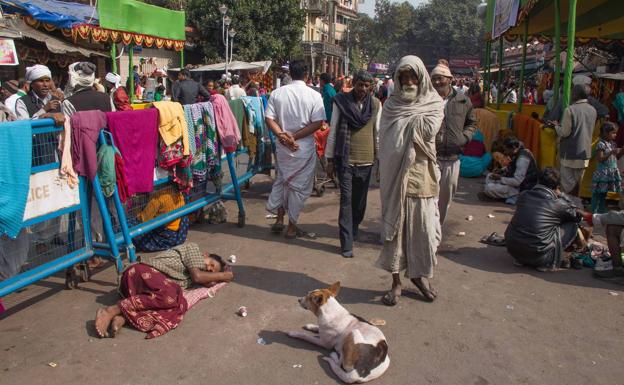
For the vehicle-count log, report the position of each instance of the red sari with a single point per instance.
(152, 303)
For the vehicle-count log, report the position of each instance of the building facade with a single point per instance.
(325, 38)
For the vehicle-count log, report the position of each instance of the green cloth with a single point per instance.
(135, 16)
(328, 92)
(238, 109)
(177, 262)
(362, 141)
(106, 169)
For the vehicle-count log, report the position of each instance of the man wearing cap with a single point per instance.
(458, 126)
(17, 89)
(556, 113)
(39, 101)
(84, 97)
(118, 94)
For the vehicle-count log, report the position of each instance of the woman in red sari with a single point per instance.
(153, 290)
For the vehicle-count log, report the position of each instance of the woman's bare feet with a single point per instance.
(424, 285)
(118, 322)
(103, 318)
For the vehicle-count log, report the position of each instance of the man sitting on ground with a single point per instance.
(520, 175)
(544, 225)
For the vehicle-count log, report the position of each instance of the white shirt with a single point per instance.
(293, 107)
(11, 100)
(21, 112)
(462, 90)
(235, 92)
(512, 97)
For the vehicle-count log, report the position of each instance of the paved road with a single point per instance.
(492, 324)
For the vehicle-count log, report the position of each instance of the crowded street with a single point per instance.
(311, 192)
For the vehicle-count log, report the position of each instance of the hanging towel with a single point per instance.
(172, 124)
(15, 165)
(106, 169)
(190, 127)
(249, 140)
(120, 175)
(226, 123)
(85, 128)
(255, 103)
(136, 136)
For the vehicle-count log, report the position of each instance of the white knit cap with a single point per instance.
(113, 78)
(37, 72)
(582, 79)
(442, 69)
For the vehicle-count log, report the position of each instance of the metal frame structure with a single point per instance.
(46, 126)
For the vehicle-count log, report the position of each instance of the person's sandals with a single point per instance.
(493, 239)
(428, 293)
(390, 298)
(300, 234)
(277, 228)
(617, 272)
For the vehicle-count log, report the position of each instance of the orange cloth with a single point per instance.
(489, 125)
(161, 203)
(528, 131)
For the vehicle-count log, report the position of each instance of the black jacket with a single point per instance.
(533, 233)
(187, 90)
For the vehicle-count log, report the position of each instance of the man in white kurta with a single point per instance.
(293, 114)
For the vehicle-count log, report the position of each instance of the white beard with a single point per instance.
(409, 93)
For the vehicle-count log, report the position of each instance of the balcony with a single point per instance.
(321, 48)
(315, 7)
(346, 11)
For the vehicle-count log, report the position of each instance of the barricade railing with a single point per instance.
(56, 231)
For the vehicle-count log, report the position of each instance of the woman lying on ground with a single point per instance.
(154, 290)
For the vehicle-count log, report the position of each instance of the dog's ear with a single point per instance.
(318, 300)
(334, 289)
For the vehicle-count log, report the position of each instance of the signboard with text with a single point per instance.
(47, 194)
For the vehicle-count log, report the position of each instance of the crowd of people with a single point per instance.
(411, 128)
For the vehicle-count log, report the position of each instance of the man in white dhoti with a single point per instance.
(294, 113)
(409, 123)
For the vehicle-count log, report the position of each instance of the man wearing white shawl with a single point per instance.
(409, 123)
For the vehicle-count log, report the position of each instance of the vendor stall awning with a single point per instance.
(53, 44)
(595, 19)
(137, 17)
(233, 66)
(119, 21)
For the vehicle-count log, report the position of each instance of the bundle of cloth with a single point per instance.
(474, 159)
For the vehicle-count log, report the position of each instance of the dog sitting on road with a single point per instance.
(360, 351)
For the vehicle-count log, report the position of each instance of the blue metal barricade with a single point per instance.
(50, 240)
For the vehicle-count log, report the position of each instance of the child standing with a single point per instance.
(607, 177)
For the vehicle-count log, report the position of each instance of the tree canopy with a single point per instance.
(437, 29)
(265, 29)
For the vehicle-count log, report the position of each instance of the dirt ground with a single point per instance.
(493, 323)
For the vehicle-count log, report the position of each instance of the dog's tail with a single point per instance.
(351, 377)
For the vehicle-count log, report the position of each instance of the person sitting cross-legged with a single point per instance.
(519, 175)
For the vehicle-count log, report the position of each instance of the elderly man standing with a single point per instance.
(294, 113)
(575, 133)
(84, 97)
(410, 120)
(458, 126)
(351, 151)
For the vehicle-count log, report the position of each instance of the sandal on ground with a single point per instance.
(493, 239)
(429, 295)
(390, 299)
(277, 228)
(301, 234)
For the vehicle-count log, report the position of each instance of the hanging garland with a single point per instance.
(101, 35)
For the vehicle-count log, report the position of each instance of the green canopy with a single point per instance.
(595, 19)
(137, 17)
